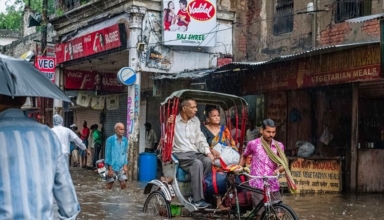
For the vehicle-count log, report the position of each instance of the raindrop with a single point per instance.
(344, 212)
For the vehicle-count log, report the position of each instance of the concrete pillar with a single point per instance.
(136, 15)
(58, 104)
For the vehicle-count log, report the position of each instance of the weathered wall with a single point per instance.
(262, 44)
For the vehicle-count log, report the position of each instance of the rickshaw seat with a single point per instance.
(182, 175)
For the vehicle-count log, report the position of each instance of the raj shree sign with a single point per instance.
(189, 22)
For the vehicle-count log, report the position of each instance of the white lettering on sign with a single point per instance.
(59, 48)
(75, 74)
(77, 48)
(112, 37)
(46, 64)
(202, 8)
(87, 39)
(49, 75)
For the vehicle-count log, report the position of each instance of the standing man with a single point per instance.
(150, 138)
(191, 148)
(268, 159)
(116, 157)
(75, 151)
(33, 168)
(84, 137)
(96, 140)
(66, 136)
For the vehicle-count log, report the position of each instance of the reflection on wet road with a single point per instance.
(98, 203)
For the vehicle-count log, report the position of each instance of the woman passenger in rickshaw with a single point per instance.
(216, 133)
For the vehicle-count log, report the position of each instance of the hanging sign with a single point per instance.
(126, 76)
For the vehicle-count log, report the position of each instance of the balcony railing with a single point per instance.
(347, 9)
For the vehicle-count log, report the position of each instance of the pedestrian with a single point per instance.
(75, 151)
(84, 137)
(66, 136)
(268, 159)
(33, 168)
(150, 138)
(191, 148)
(96, 140)
(116, 157)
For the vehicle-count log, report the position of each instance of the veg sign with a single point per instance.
(189, 22)
(47, 66)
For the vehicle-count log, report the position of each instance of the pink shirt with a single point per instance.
(261, 164)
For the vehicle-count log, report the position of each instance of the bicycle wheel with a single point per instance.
(279, 212)
(157, 205)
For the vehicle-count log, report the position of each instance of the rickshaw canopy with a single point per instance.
(225, 101)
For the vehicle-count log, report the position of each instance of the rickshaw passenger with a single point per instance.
(215, 133)
(191, 149)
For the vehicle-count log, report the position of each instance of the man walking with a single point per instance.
(66, 136)
(191, 148)
(150, 138)
(96, 140)
(33, 168)
(116, 157)
(84, 137)
(75, 151)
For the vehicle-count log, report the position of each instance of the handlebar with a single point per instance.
(260, 177)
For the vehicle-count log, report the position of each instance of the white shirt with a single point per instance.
(66, 136)
(188, 136)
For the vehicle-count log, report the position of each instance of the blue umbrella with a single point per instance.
(20, 78)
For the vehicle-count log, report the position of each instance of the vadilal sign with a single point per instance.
(189, 22)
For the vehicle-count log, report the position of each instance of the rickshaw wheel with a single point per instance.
(157, 205)
(279, 212)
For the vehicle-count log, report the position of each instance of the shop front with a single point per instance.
(315, 97)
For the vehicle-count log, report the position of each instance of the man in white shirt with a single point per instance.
(150, 138)
(191, 149)
(66, 136)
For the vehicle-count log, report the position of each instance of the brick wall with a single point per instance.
(371, 28)
(335, 34)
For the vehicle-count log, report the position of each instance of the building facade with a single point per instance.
(96, 39)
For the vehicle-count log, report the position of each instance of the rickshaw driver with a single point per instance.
(190, 147)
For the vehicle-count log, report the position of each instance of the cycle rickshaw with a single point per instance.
(175, 191)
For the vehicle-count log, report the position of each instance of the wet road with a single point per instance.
(98, 203)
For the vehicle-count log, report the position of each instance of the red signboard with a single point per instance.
(89, 44)
(85, 80)
(47, 66)
(201, 10)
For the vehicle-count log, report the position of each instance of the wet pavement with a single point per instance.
(98, 203)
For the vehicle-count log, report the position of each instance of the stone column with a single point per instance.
(136, 15)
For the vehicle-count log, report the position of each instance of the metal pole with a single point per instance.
(314, 24)
(44, 22)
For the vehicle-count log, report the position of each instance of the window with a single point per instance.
(347, 9)
(283, 19)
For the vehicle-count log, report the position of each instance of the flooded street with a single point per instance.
(98, 203)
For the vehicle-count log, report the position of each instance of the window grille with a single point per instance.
(347, 9)
(283, 19)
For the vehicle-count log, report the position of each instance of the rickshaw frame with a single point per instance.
(170, 107)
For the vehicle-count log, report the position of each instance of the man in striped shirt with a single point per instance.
(33, 168)
(190, 147)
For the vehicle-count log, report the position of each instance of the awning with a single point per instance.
(28, 56)
(365, 18)
(238, 66)
(185, 75)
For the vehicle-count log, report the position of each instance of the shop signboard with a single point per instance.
(47, 66)
(92, 43)
(189, 22)
(352, 65)
(359, 64)
(86, 80)
(322, 176)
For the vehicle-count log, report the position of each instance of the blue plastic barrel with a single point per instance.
(147, 167)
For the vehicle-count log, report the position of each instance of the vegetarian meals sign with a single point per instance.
(189, 22)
